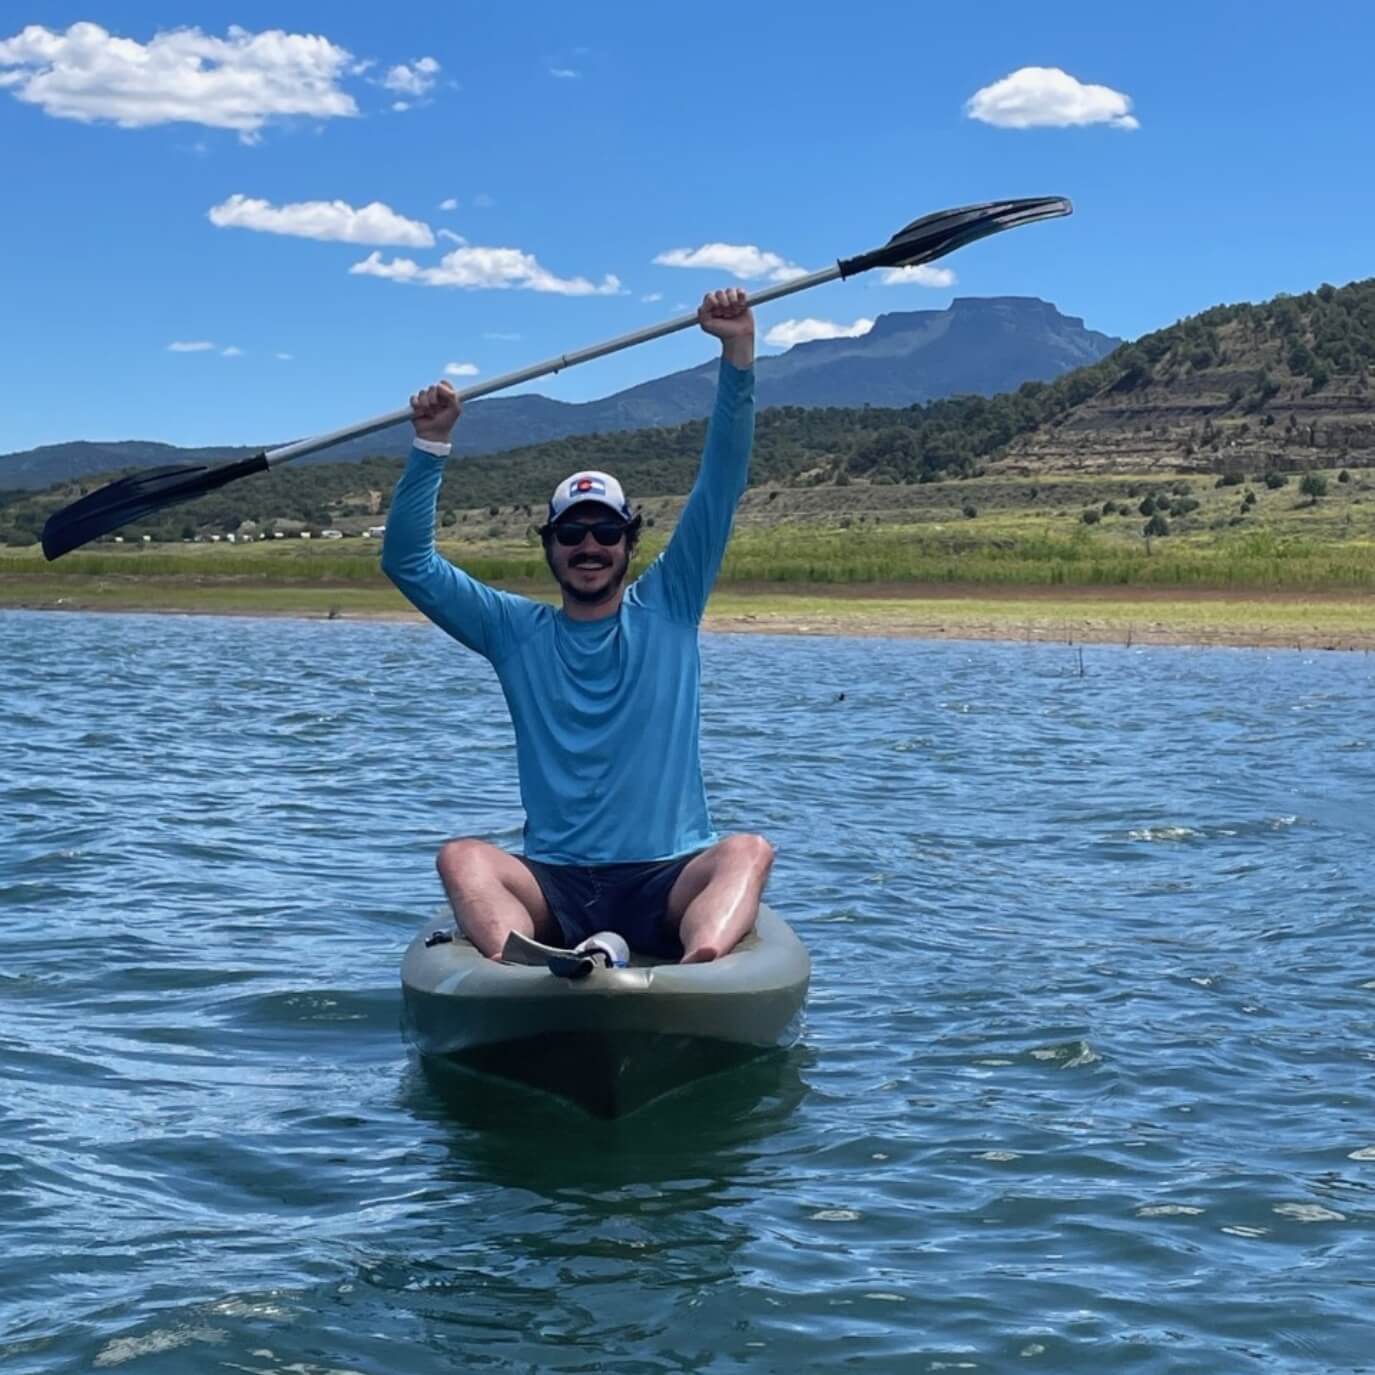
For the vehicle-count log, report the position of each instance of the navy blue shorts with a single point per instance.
(630, 899)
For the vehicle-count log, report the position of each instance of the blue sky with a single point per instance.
(245, 223)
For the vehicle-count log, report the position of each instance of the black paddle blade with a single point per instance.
(933, 236)
(131, 498)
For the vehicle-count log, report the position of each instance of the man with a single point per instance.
(604, 694)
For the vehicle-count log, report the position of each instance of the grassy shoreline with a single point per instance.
(1245, 565)
(1120, 615)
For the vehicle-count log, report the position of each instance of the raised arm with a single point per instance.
(681, 578)
(473, 613)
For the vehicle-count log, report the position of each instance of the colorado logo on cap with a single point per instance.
(589, 485)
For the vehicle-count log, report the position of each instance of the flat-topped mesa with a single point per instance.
(971, 346)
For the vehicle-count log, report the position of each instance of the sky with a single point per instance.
(246, 223)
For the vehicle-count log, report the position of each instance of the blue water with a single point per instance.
(1088, 1079)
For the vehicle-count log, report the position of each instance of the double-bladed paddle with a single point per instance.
(131, 498)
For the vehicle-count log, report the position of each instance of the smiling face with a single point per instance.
(590, 573)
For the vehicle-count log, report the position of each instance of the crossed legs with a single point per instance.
(712, 903)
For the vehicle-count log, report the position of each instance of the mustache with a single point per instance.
(590, 561)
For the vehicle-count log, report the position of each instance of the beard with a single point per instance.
(617, 565)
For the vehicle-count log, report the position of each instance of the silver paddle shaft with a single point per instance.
(564, 360)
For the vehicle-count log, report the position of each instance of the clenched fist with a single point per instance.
(726, 315)
(435, 411)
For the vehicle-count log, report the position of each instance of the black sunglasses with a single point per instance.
(570, 533)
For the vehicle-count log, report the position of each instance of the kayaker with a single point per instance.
(604, 695)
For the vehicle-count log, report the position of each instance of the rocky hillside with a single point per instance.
(1247, 388)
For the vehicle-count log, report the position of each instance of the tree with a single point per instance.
(1313, 486)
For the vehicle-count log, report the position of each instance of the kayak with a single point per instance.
(615, 1038)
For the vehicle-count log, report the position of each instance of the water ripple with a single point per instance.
(1086, 1082)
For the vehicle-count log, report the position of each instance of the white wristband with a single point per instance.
(440, 448)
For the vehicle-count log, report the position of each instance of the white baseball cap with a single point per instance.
(601, 488)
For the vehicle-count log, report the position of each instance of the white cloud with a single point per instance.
(651, 297)
(233, 351)
(450, 204)
(240, 81)
(190, 346)
(923, 274)
(416, 80)
(1047, 97)
(401, 106)
(564, 73)
(791, 332)
(740, 260)
(461, 369)
(452, 237)
(284, 357)
(483, 201)
(485, 267)
(336, 221)
(506, 338)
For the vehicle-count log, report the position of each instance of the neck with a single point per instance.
(593, 611)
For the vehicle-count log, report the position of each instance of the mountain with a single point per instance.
(1240, 390)
(978, 346)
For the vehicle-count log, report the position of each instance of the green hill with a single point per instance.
(1236, 390)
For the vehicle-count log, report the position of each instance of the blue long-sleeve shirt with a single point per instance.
(606, 712)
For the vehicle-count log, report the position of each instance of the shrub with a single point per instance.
(1249, 500)
(1313, 486)
(1091, 515)
(1147, 507)
(1274, 481)
(970, 510)
(1157, 525)
(1343, 476)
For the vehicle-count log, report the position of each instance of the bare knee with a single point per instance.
(464, 861)
(751, 851)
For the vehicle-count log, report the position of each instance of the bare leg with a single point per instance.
(492, 894)
(716, 898)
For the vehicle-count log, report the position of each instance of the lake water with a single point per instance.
(1087, 1082)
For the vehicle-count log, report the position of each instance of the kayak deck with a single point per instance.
(617, 1038)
